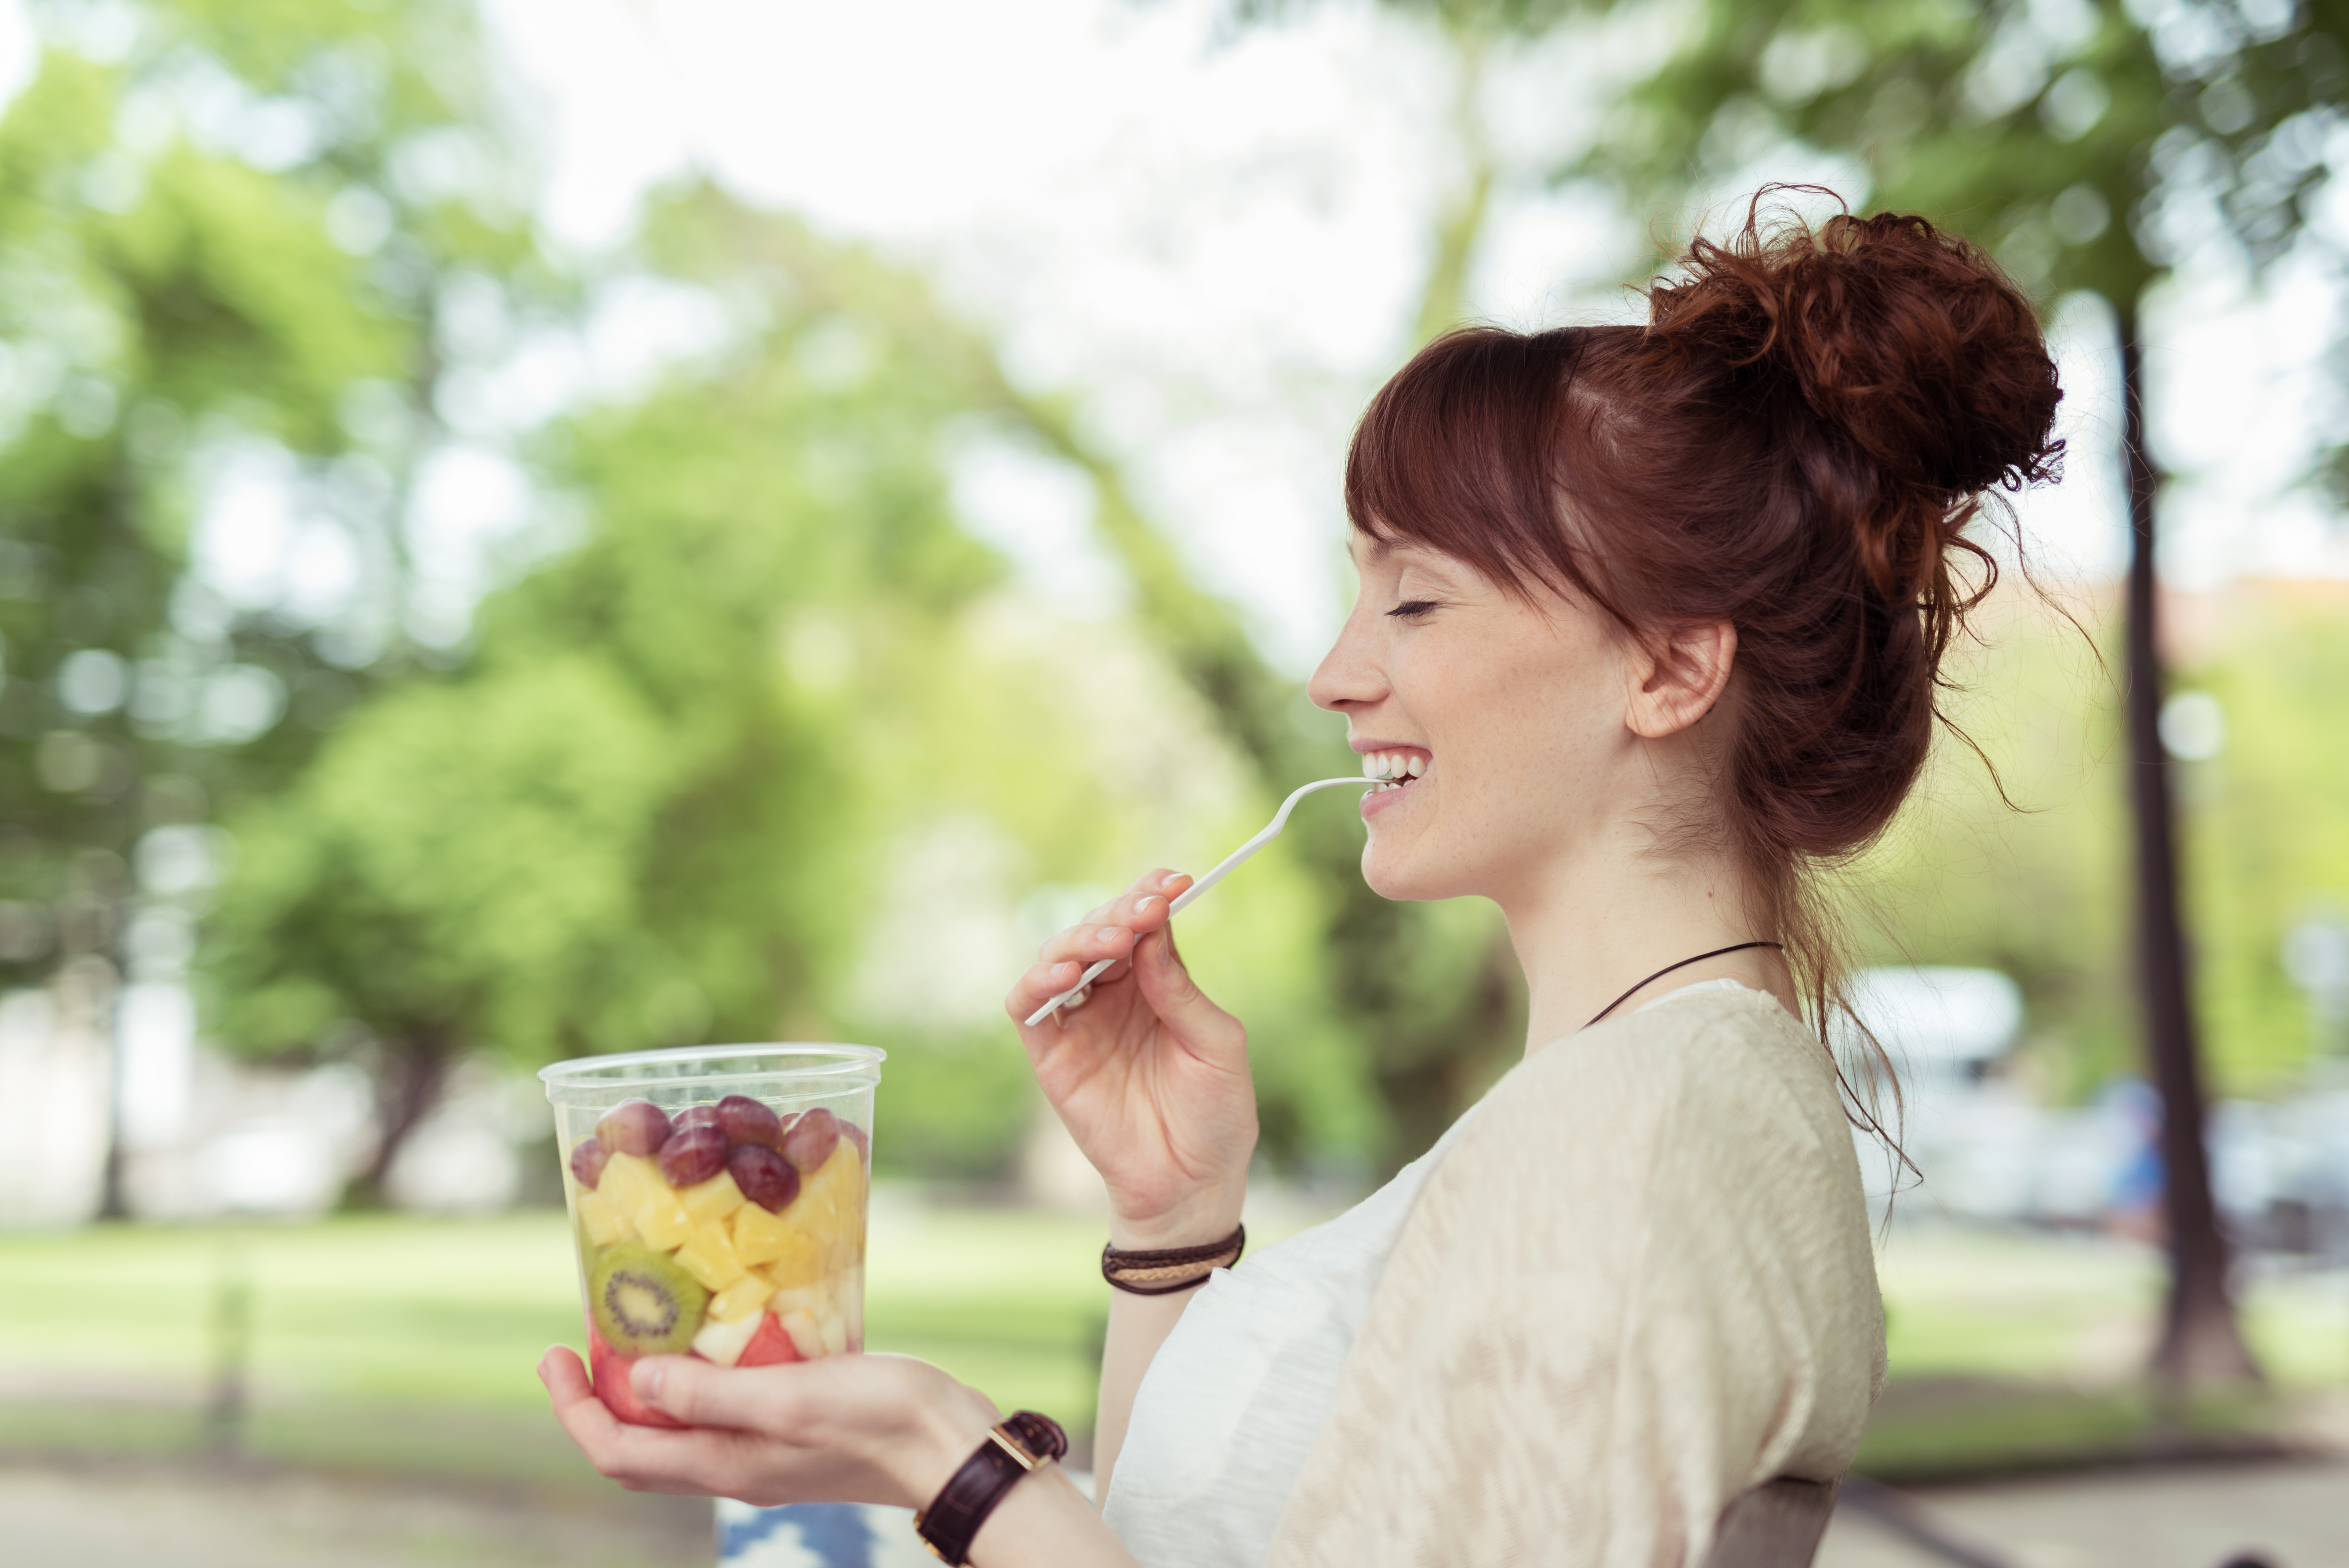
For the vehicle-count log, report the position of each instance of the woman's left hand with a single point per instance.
(844, 1428)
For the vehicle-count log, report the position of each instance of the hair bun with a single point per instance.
(1911, 342)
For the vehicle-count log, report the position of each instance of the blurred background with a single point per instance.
(542, 527)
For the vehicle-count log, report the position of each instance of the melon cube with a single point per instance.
(712, 1200)
(811, 1299)
(807, 1335)
(708, 1257)
(746, 1297)
(601, 1218)
(724, 1341)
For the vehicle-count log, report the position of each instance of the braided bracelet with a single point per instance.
(1172, 1270)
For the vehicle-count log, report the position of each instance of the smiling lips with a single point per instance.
(1393, 768)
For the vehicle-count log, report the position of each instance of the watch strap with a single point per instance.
(1021, 1443)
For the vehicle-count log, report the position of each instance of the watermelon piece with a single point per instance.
(770, 1346)
(612, 1385)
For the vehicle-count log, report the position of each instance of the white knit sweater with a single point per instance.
(1636, 1281)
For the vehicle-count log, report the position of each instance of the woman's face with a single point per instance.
(1512, 709)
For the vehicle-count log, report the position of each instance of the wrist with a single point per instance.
(938, 1435)
(1196, 1221)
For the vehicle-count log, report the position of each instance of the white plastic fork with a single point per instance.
(1191, 894)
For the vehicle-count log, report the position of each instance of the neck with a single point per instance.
(1589, 933)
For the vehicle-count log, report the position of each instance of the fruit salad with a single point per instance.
(726, 1231)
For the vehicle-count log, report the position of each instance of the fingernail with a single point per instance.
(1169, 879)
(1142, 906)
(1111, 932)
(648, 1379)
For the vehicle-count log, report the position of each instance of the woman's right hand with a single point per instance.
(1150, 1078)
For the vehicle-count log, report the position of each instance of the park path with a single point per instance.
(2296, 1514)
(127, 1515)
(122, 1515)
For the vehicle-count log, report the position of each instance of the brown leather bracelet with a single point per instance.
(1021, 1443)
(1173, 1269)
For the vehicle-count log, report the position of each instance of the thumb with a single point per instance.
(699, 1394)
(1167, 984)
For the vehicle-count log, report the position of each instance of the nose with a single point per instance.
(1349, 678)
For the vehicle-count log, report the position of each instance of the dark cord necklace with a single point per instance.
(1683, 964)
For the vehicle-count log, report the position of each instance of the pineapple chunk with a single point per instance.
(834, 1330)
(800, 1261)
(653, 1208)
(723, 1341)
(831, 1207)
(745, 1298)
(625, 1179)
(601, 1216)
(711, 1199)
(760, 1237)
(710, 1257)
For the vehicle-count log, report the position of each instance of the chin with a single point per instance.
(1393, 876)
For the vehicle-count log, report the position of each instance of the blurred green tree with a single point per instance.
(659, 802)
(231, 227)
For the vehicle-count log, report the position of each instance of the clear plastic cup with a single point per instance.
(718, 1196)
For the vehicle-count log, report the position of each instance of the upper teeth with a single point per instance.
(1392, 765)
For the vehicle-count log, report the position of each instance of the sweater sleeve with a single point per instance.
(1641, 1286)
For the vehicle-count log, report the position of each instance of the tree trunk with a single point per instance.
(407, 1086)
(2199, 1339)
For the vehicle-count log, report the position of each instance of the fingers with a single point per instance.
(1037, 984)
(1109, 932)
(640, 1458)
(773, 1399)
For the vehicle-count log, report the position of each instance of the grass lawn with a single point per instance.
(400, 1344)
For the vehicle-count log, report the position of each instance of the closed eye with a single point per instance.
(1411, 609)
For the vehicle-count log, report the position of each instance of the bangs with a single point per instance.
(1462, 452)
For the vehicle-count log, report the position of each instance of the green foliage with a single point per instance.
(1963, 877)
(177, 291)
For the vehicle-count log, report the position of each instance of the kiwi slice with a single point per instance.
(644, 1303)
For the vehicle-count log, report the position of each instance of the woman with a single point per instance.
(1650, 628)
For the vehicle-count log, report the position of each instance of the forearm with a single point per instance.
(1045, 1519)
(1139, 1325)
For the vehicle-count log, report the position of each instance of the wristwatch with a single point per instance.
(1019, 1444)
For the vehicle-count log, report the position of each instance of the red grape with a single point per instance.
(695, 1116)
(765, 1177)
(812, 1139)
(587, 1161)
(746, 1120)
(634, 1127)
(693, 1155)
(859, 1137)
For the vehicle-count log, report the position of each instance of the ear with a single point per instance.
(1679, 674)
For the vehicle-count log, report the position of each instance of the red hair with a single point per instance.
(1795, 443)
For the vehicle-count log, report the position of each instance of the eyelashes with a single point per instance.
(1412, 609)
